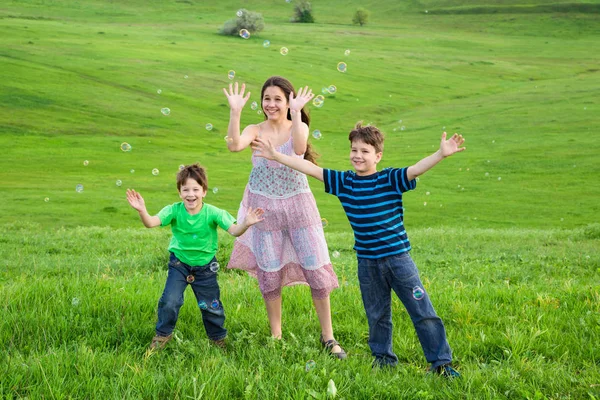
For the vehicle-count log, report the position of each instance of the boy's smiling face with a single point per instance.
(192, 193)
(364, 158)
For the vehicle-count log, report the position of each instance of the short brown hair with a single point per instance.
(196, 172)
(367, 134)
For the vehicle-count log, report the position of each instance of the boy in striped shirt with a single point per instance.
(372, 201)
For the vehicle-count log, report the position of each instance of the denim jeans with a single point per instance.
(206, 289)
(399, 273)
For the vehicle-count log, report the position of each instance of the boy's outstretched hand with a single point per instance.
(253, 216)
(303, 96)
(136, 200)
(264, 148)
(452, 145)
(236, 97)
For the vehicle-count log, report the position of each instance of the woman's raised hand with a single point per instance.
(236, 97)
(303, 96)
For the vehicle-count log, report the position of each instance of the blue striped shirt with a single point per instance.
(373, 205)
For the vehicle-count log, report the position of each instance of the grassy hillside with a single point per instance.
(80, 79)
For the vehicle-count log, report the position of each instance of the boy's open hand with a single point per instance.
(452, 145)
(136, 200)
(236, 97)
(264, 148)
(303, 96)
(254, 215)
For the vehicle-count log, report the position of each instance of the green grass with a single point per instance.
(511, 264)
(521, 309)
(78, 81)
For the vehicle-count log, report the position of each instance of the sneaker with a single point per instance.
(219, 343)
(446, 371)
(159, 342)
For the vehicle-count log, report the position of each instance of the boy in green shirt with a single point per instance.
(193, 248)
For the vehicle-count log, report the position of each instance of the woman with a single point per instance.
(289, 246)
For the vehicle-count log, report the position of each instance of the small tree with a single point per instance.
(249, 20)
(303, 12)
(361, 17)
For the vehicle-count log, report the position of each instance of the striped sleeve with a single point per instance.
(399, 180)
(332, 180)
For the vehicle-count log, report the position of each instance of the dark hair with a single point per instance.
(367, 134)
(196, 172)
(286, 86)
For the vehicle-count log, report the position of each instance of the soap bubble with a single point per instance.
(85, 163)
(283, 51)
(341, 67)
(266, 43)
(239, 13)
(215, 190)
(165, 111)
(208, 127)
(155, 171)
(47, 199)
(254, 105)
(119, 183)
(347, 53)
(231, 74)
(332, 89)
(125, 147)
(214, 266)
(244, 33)
(79, 188)
(317, 134)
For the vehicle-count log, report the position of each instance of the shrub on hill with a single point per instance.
(361, 16)
(249, 20)
(303, 12)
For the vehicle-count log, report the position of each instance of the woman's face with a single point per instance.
(275, 103)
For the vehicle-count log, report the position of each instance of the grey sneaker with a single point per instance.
(159, 342)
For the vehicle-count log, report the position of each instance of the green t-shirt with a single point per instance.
(194, 238)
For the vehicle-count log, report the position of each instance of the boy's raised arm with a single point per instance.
(266, 150)
(447, 148)
(137, 202)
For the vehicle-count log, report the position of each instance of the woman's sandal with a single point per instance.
(330, 344)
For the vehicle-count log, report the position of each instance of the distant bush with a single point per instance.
(249, 20)
(361, 17)
(303, 12)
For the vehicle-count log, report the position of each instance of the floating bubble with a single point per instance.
(159, 91)
(132, 171)
(317, 134)
(214, 304)
(499, 178)
(336, 254)
(254, 105)
(208, 126)
(203, 305)
(487, 174)
(239, 13)
(119, 183)
(332, 89)
(79, 188)
(266, 44)
(214, 266)
(310, 365)
(85, 163)
(493, 141)
(468, 169)
(325, 90)
(402, 128)
(185, 77)
(283, 51)
(426, 11)
(259, 112)
(190, 278)
(47, 199)
(215, 190)
(347, 53)
(181, 166)
(231, 74)
(165, 111)
(155, 171)
(244, 34)
(418, 293)
(74, 301)
(318, 101)
(228, 139)
(125, 147)
(341, 67)
(424, 203)
(458, 186)
(427, 193)
(324, 222)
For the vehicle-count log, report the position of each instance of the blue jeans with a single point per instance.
(377, 278)
(206, 289)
